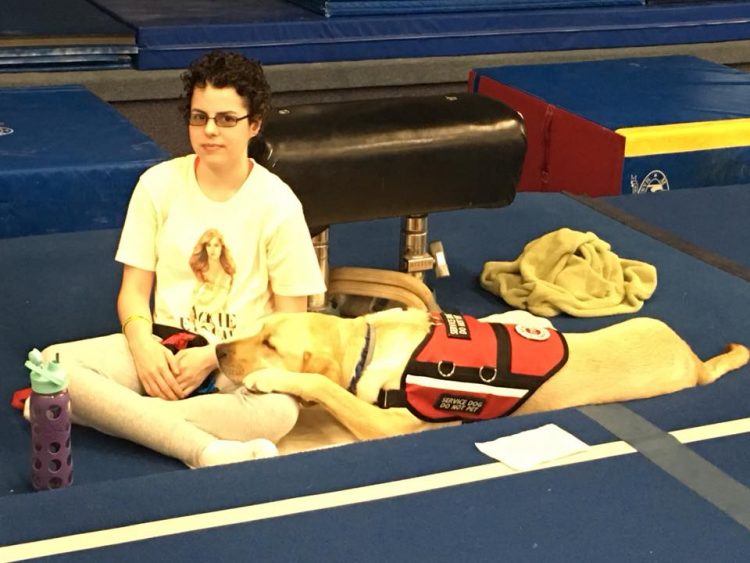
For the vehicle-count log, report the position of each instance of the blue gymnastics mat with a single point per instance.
(62, 35)
(618, 510)
(68, 161)
(172, 33)
(620, 502)
(385, 7)
(713, 219)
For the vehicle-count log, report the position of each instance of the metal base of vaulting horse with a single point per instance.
(358, 291)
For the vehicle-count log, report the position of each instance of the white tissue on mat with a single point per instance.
(530, 448)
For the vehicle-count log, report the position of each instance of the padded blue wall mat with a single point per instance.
(384, 7)
(690, 89)
(688, 169)
(68, 161)
(61, 34)
(172, 33)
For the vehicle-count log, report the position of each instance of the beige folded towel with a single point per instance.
(571, 272)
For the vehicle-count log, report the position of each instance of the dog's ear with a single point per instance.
(324, 365)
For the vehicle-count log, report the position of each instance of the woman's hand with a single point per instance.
(157, 369)
(194, 365)
(155, 364)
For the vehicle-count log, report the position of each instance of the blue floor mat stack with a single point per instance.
(171, 34)
(162, 34)
(41, 35)
(68, 161)
(331, 8)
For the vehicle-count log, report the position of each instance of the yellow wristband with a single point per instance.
(134, 318)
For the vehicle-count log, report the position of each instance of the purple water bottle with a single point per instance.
(51, 458)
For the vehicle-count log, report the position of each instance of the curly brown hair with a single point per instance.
(221, 69)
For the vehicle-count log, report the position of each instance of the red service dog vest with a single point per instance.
(469, 370)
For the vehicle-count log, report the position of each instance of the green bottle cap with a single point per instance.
(47, 378)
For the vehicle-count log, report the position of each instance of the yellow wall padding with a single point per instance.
(686, 137)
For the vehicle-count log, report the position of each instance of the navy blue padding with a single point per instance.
(60, 287)
(660, 90)
(714, 219)
(729, 454)
(130, 500)
(63, 287)
(68, 161)
(385, 7)
(619, 509)
(172, 33)
(63, 21)
(690, 169)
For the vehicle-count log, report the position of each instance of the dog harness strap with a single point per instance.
(364, 359)
(392, 398)
(468, 370)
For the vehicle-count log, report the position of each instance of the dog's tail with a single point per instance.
(734, 357)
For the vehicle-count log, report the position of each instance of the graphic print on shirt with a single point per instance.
(214, 269)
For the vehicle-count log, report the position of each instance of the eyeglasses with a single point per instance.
(222, 119)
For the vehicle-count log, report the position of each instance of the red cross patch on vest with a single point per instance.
(469, 370)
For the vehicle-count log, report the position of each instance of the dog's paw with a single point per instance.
(264, 380)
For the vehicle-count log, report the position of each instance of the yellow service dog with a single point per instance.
(315, 357)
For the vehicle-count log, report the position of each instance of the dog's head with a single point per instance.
(299, 342)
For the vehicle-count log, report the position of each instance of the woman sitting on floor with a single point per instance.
(218, 242)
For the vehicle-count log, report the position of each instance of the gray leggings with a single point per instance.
(106, 394)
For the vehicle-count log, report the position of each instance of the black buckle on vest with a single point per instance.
(393, 398)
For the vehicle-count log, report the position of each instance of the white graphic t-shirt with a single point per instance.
(217, 264)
